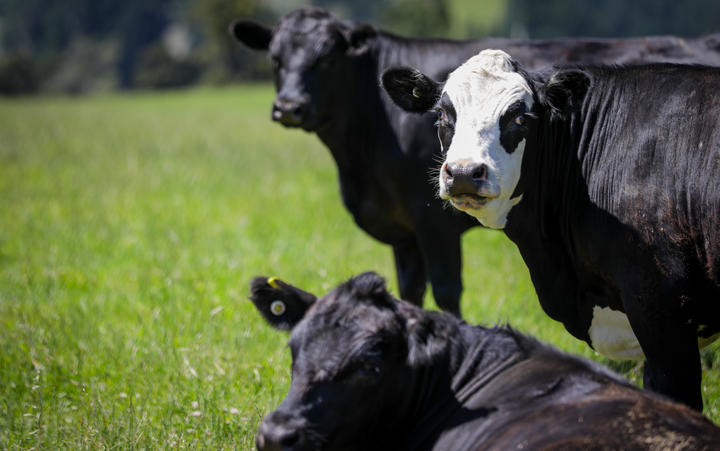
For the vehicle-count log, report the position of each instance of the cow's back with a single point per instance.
(556, 401)
(611, 417)
(653, 161)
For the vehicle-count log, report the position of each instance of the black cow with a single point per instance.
(370, 372)
(608, 181)
(327, 78)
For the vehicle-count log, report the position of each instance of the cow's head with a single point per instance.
(487, 109)
(484, 114)
(353, 353)
(312, 55)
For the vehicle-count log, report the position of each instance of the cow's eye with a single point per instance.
(369, 368)
(520, 120)
(324, 63)
(442, 119)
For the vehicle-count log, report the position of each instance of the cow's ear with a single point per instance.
(410, 89)
(427, 344)
(565, 91)
(359, 38)
(252, 34)
(281, 304)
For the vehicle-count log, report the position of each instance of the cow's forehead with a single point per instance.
(314, 34)
(486, 85)
(331, 316)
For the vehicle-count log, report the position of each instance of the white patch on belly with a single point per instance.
(612, 336)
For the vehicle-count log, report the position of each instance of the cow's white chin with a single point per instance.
(468, 202)
(491, 213)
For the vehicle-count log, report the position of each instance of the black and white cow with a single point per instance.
(608, 181)
(370, 372)
(326, 73)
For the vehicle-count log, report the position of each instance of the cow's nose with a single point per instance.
(273, 436)
(463, 177)
(288, 111)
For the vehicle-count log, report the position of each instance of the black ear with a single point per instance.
(369, 285)
(281, 304)
(359, 38)
(565, 91)
(252, 34)
(410, 89)
(427, 342)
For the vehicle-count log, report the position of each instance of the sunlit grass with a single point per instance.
(130, 228)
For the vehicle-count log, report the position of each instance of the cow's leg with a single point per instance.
(672, 359)
(677, 382)
(410, 272)
(675, 370)
(442, 254)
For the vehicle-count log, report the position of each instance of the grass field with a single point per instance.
(130, 228)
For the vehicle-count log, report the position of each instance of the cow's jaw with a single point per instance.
(482, 92)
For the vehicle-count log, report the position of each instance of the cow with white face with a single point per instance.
(483, 114)
(482, 127)
(606, 179)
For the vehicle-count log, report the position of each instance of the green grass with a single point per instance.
(130, 228)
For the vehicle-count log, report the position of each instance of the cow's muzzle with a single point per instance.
(466, 184)
(464, 177)
(289, 112)
(278, 432)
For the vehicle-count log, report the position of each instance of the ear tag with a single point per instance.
(416, 93)
(273, 282)
(277, 307)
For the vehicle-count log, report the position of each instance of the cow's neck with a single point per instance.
(541, 225)
(474, 358)
(549, 181)
(353, 133)
(433, 57)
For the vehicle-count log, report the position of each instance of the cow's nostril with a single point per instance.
(290, 439)
(278, 435)
(480, 173)
(288, 112)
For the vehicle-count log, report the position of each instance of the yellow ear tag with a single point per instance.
(277, 307)
(273, 282)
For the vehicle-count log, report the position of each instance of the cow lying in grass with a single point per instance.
(370, 372)
(606, 178)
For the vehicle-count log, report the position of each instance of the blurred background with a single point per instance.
(86, 46)
(133, 218)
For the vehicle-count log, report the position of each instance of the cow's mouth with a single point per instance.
(470, 201)
(309, 124)
(289, 122)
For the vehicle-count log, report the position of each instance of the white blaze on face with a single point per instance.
(481, 91)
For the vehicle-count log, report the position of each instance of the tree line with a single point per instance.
(92, 45)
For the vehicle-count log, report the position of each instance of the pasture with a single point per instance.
(130, 228)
